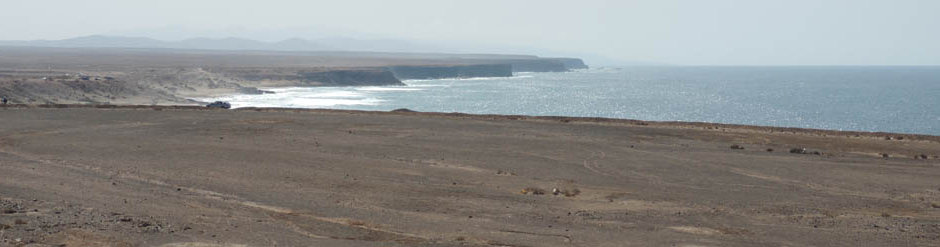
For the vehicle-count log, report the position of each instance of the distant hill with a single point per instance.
(101, 41)
(317, 45)
(237, 44)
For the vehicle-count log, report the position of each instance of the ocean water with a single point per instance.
(889, 99)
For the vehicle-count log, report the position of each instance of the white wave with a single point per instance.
(380, 89)
(428, 85)
(421, 80)
(520, 75)
(305, 102)
(493, 78)
(321, 102)
(328, 94)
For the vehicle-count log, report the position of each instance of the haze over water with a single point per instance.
(887, 99)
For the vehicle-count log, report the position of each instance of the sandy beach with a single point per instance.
(188, 176)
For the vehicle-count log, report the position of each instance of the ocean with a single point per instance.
(877, 99)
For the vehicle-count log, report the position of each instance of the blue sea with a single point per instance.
(886, 99)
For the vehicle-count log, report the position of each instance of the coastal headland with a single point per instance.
(106, 175)
(32, 75)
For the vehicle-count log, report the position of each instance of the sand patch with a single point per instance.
(695, 230)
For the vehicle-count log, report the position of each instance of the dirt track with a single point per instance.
(166, 176)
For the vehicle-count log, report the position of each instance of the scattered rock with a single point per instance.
(736, 146)
(403, 110)
(533, 190)
(253, 91)
(220, 105)
(572, 193)
(505, 173)
(802, 150)
(770, 150)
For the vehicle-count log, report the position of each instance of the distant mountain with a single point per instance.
(298, 44)
(91, 41)
(295, 44)
(100, 41)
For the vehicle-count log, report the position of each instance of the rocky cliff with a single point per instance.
(455, 71)
(571, 63)
(273, 77)
(536, 65)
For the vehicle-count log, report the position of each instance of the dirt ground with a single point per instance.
(171, 176)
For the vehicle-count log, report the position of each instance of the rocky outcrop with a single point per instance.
(571, 63)
(454, 71)
(536, 65)
(546, 64)
(375, 77)
(312, 77)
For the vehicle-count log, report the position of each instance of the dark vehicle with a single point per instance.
(219, 104)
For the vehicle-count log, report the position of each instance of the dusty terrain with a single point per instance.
(177, 176)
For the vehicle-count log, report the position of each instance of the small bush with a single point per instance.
(533, 190)
(572, 193)
(356, 223)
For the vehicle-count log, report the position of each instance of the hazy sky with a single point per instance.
(692, 32)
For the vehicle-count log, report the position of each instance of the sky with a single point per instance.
(681, 32)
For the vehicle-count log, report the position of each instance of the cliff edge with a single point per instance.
(32, 75)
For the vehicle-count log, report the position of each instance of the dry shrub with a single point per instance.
(356, 223)
(533, 190)
(572, 193)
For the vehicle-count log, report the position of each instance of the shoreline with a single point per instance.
(564, 119)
